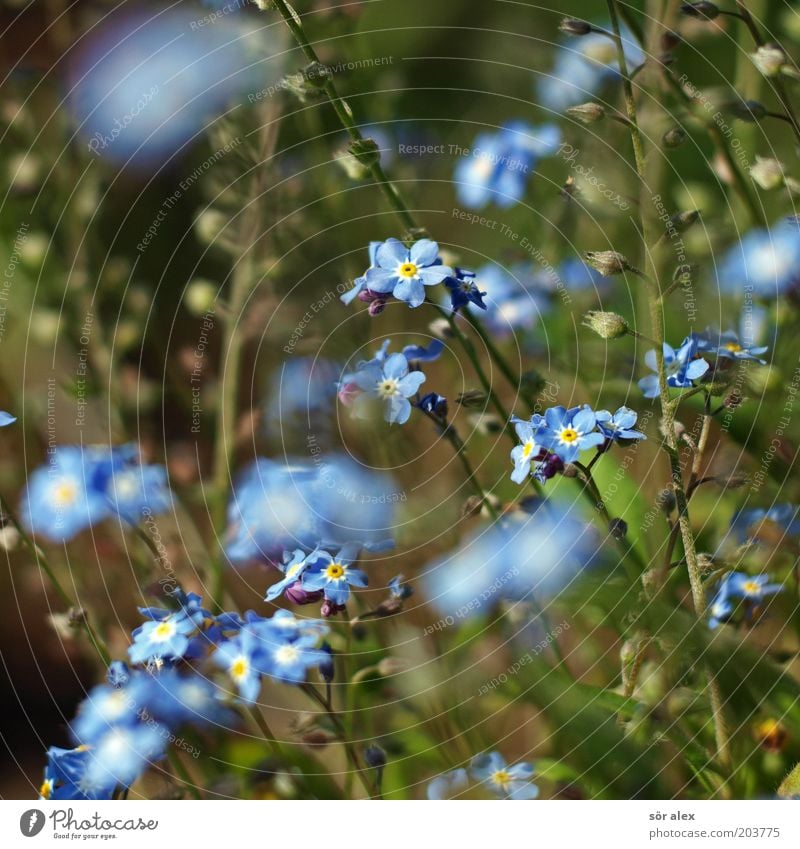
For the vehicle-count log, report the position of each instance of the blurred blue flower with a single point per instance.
(421, 353)
(508, 782)
(390, 384)
(6, 418)
(122, 753)
(721, 609)
(64, 773)
(754, 589)
(567, 432)
(682, 367)
(765, 261)
(136, 491)
(447, 784)
(582, 66)
(104, 706)
(728, 346)
(405, 272)
(175, 699)
(496, 169)
(746, 524)
(399, 588)
(301, 386)
(118, 673)
(515, 298)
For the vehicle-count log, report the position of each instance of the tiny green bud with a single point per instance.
(747, 110)
(683, 220)
(575, 27)
(607, 325)
(767, 173)
(366, 151)
(769, 59)
(704, 11)
(608, 263)
(674, 137)
(587, 113)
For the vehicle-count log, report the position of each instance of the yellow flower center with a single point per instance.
(733, 347)
(46, 790)
(569, 435)
(239, 668)
(751, 587)
(64, 493)
(527, 449)
(164, 630)
(387, 388)
(501, 778)
(335, 571)
(408, 269)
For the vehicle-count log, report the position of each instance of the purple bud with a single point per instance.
(298, 595)
(329, 609)
(367, 296)
(377, 306)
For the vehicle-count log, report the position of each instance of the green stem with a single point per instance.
(667, 408)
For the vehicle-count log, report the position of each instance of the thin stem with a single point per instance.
(668, 410)
(183, 774)
(266, 731)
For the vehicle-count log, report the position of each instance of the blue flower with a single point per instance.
(242, 659)
(746, 525)
(516, 298)
(135, 491)
(464, 290)
(399, 588)
(405, 272)
(753, 589)
(619, 425)
(728, 346)
(62, 497)
(447, 784)
(164, 639)
(525, 454)
(508, 782)
(497, 167)
(433, 403)
(6, 418)
(63, 776)
(682, 367)
(104, 707)
(420, 353)
(302, 385)
(293, 568)
(568, 432)
(768, 261)
(118, 673)
(174, 699)
(289, 660)
(334, 575)
(391, 384)
(122, 754)
(582, 66)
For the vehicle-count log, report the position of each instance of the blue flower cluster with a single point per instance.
(492, 772)
(81, 486)
(497, 167)
(560, 435)
(277, 507)
(750, 524)
(738, 586)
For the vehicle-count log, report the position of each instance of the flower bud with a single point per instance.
(366, 151)
(683, 220)
(375, 757)
(377, 306)
(750, 111)
(607, 325)
(587, 113)
(607, 263)
(767, 173)
(297, 595)
(666, 500)
(575, 27)
(618, 528)
(704, 11)
(674, 137)
(769, 59)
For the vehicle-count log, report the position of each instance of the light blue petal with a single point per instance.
(424, 252)
(391, 254)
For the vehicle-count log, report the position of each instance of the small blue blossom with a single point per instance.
(464, 290)
(334, 575)
(120, 755)
(289, 659)
(242, 659)
(175, 699)
(753, 589)
(728, 346)
(447, 784)
(508, 782)
(421, 353)
(496, 169)
(118, 673)
(528, 451)
(682, 367)
(405, 272)
(292, 569)
(568, 432)
(433, 403)
(135, 491)
(721, 609)
(391, 384)
(399, 588)
(516, 298)
(619, 425)
(746, 524)
(104, 707)
(162, 639)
